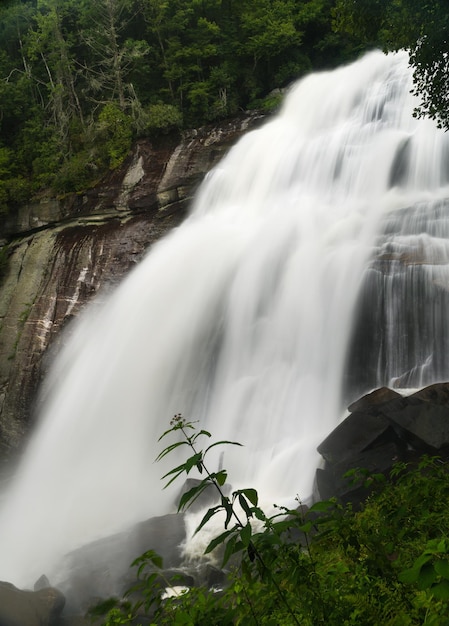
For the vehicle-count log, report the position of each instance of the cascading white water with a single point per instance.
(402, 328)
(240, 319)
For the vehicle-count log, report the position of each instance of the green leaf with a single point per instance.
(232, 547)
(209, 514)
(423, 558)
(427, 576)
(286, 524)
(441, 590)
(148, 556)
(179, 469)
(245, 534)
(409, 576)
(244, 504)
(221, 477)
(322, 506)
(442, 568)
(157, 560)
(259, 514)
(151, 579)
(442, 547)
(193, 461)
(252, 496)
(306, 528)
(199, 434)
(164, 434)
(229, 510)
(189, 497)
(247, 571)
(219, 540)
(173, 479)
(219, 443)
(170, 448)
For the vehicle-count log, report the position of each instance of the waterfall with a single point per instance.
(243, 317)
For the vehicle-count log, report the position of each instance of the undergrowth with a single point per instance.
(386, 563)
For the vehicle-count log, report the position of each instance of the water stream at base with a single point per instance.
(241, 318)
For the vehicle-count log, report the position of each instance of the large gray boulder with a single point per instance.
(29, 608)
(382, 428)
(103, 569)
(422, 419)
(355, 434)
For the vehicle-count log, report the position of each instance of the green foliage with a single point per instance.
(48, 159)
(269, 104)
(18, 190)
(431, 570)
(160, 119)
(163, 64)
(79, 172)
(114, 135)
(4, 172)
(13, 188)
(387, 563)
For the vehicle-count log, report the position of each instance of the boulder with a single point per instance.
(41, 583)
(421, 423)
(384, 427)
(331, 481)
(356, 433)
(29, 608)
(436, 394)
(370, 401)
(103, 568)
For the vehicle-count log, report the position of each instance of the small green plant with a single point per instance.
(159, 119)
(114, 135)
(431, 569)
(77, 173)
(238, 534)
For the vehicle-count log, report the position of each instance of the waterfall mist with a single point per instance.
(242, 318)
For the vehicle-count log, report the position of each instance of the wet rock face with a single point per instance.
(64, 252)
(400, 335)
(53, 275)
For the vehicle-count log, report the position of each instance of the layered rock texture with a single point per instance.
(62, 252)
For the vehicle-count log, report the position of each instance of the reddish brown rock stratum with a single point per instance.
(63, 251)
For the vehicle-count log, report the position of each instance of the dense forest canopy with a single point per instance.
(80, 79)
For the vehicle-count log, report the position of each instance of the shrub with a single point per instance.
(114, 135)
(160, 119)
(77, 174)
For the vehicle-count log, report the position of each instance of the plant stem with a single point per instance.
(254, 549)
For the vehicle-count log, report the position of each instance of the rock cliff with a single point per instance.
(63, 251)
